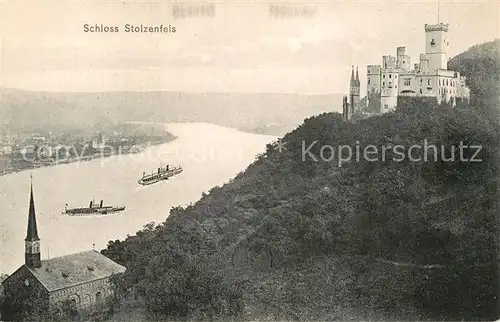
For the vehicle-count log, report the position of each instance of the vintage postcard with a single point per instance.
(249, 160)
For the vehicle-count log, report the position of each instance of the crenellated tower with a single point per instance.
(32, 241)
(437, 45)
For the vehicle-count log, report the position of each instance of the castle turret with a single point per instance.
(32, 241)
(437, 45)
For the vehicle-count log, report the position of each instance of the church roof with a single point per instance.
(70, 270)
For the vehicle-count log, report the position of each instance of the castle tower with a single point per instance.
(32, 242)
(354, 90)
(403, 61)
(437, 45)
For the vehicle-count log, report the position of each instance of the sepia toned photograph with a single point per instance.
(249, 160)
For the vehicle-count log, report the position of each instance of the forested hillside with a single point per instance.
(481, 65)
(298, 239)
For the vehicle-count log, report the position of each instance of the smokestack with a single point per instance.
(100, 206)
(90, 206)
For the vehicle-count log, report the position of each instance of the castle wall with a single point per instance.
(407, 84)
(388, 103)
(389, 85)
(373, 73)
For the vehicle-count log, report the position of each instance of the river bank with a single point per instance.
(209, 154)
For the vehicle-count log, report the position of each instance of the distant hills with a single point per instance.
(264, 113)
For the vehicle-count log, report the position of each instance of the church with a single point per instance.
(81, 280)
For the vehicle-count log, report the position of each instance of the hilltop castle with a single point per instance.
(397, 77)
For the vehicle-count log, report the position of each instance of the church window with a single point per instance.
(368, 81)
(428, 81)
(383, 83)
(98, 298)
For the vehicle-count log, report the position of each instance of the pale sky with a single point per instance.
(240, 49)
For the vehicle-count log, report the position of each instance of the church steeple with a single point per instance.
(354, 90)
(32, 241)
(357, 77)
(352, 82)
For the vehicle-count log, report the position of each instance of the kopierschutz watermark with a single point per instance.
(291, 11)
(397, 153)
(198, 153)
(193, 10)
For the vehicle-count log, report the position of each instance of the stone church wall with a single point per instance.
(84, 295)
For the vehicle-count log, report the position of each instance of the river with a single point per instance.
(210, 155)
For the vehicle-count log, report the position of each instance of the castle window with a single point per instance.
(383, 84)
(428, 81)
(407, 82)
(383, 76)
(368, 81)
(433, 42)
(390, 76)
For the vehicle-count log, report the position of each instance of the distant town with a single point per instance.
(28, 150)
